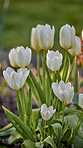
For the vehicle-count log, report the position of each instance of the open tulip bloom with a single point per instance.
(16, 80)
(63, 91)
(54, 123)
(47, 113)
(20, 57)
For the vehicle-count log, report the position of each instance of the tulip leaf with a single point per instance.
(19, 125)
(70, 74)
(39, 144)
(57, 130)
(67, 70)
(50, 141)
(15, 137)
(28, 144)
(7, 132)
(34, 118)
(41, 131)
(73, 123)
(75, 98)
(78, 142)
(38, 88)
(48, 74)
(66, 135)
(29, 104)
(34, 91)
(6, 127)
(68, 111)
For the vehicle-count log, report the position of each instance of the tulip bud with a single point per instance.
(63, 91)
(54, 60)
(42, 37)
(67, 36)
(47, 113)
(17, 79)
(76, 49)
(20, 57)
(81, 100)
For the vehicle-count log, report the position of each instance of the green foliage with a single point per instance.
(15, 137)
(50, 141)
(21, 127)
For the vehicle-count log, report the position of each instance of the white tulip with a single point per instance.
(54, 60)
(42, 37)
(67, 36)
(15, 79)
(81, 100)
(20, 57)
(76, 49)
(47, 113)
(63, 91)
(34, 40)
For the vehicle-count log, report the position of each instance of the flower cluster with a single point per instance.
(19, 57)
(52, 92)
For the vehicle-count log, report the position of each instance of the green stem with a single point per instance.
(44, 128)
(38, 66)
(63, 114)
(47, 93)
(17, 99)
(58, 76)
(75, 75)
(65, 62)
(53, 73)
(44, 57)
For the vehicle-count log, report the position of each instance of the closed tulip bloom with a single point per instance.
(20, 57)
(81, 100)
(47, 113)
(63, 91)
(54, 60)
(14, 79)
(76, 49)
(34, 40)
(42, 37)
(67, 36)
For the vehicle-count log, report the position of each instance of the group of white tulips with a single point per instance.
(42, 37)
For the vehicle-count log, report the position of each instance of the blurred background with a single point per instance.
(17, 17)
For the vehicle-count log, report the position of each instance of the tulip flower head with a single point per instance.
(20, 57)
(67, 36)
(63, 91)
(76, 49)
(16, 80)
(42, 37)
(47, 113)
(54, 60)
(81, 100)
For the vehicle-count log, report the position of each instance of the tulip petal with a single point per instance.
(55, 88)
(44, 108)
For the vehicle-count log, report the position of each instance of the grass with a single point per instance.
(25, 14)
